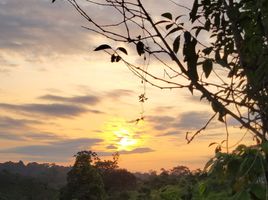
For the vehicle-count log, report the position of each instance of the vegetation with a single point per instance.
(218, 49)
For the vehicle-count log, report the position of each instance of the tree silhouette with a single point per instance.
(83, 181)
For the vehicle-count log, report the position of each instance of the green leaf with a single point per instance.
(243, 195)
(167, 15)
(264, 147)
(259, 191)
(202, 188)
(176, 44)
(207, 67)
(122, 49)
(102, 47)
(174, 30)
(140, 48)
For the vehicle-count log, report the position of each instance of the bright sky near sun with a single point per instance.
(58, 96)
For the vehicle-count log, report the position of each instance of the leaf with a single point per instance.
(264, 147)
(176, 44)
(207, 67)
(102, 47)
(113, 58)
(207, 50)
(243, 195)
(122, 49)
(259, 191)
(212, 144)
(209, 163)
(169, 26)
(140, 48)
(174, 30)
(167, 15)
(53, 1)
(198, 31)
(193, 12)
(178, 17)
(118, 58)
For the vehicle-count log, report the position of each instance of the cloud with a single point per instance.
(39, 26)
(186, 121)
(55, 110)
(192, 120)
(85, 99)
(162, 122)
(116, 94)
(111, 147)
(12, 123)
(61, 150)
(137, 150)
(170, 133)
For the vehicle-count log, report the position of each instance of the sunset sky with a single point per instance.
(58, 96)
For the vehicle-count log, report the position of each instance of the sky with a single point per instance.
(58, 96)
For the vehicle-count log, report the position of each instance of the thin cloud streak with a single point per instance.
(55, 110)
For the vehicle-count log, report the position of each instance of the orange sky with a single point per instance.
(58, 96)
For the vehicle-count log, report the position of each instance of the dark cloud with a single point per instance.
(63, 150)
(40, 27)
(192, 120)
(24, 135)
(162, 122)
(9, 135)
(85, 99)
(184, 122)
(137, 150)
(55, 110)
(170, 133)
(11, 123)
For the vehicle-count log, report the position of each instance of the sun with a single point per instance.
(126, 140)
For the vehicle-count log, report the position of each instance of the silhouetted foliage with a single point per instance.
(18, 187)
(83, 180)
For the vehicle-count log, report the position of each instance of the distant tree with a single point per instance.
(83, 181)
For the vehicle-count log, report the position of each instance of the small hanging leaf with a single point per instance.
(102, 47)
(113, 58)
(174, 30)
(140, 48)
(118, 58)
(207, 51)
(169, 26)
(207, 67)
(167, 15)
(212, 144)
(176, 44)
(178, 17)
(122, 49)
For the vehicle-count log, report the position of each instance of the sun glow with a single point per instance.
(126, 139)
